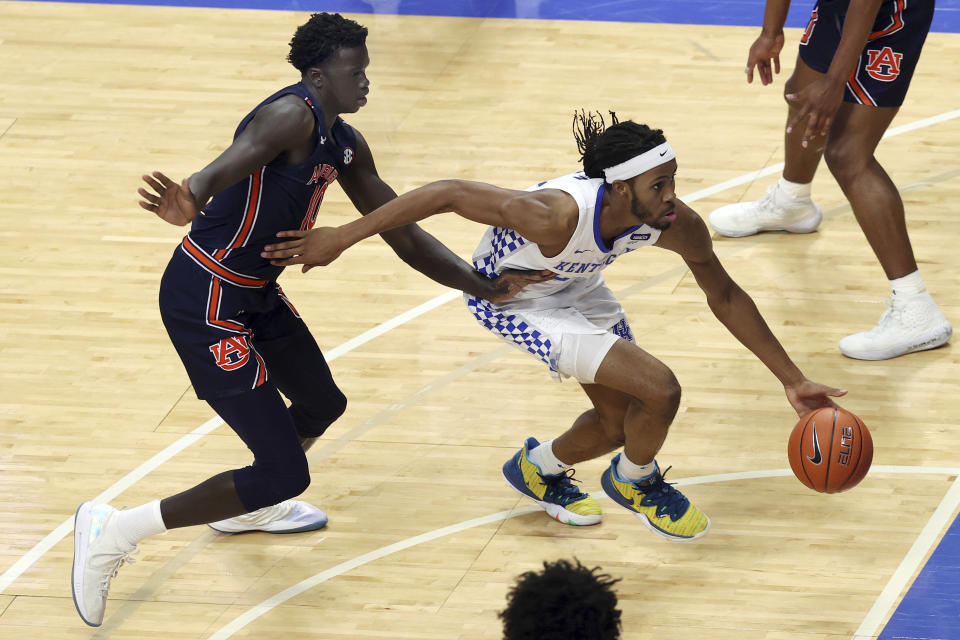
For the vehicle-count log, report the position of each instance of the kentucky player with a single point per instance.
(575, 227)
(240, 339)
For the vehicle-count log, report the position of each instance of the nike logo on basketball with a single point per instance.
(816, 459)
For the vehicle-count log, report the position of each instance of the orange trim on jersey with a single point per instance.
(207, 262)
(315, 200)
(213, 309)
(213, 319)
(895, 25)
(249, 215)
(858, 91)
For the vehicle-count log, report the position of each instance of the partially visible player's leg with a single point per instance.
(104, 537)
(913, 322)
(787, 205)
(634, 480)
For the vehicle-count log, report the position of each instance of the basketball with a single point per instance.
(830, 450)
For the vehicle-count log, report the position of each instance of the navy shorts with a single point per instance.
(216, 326)
(886, 65)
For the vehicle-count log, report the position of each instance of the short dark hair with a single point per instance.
(602, 147)
(564, 601)
(318, 38)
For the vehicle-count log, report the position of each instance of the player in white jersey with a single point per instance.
(576, 226)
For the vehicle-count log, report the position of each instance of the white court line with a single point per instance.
(34, 554)
(256, 611)
(911, 562)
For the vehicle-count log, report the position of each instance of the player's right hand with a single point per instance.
(172, 202)
(765, 54)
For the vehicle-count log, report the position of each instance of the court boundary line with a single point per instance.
(17, 569)
(258, 610)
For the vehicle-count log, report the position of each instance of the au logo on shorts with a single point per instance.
(884, 64)
(231, 353)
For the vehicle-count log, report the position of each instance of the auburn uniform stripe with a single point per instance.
(249, 214)
(854, 85)
(895, 24)
(207, 262)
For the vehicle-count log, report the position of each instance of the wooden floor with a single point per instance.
(425, 537)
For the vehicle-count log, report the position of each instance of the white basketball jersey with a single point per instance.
(580, 262)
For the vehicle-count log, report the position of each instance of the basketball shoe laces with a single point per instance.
(560, 488)
(113, 567)
(661, 494)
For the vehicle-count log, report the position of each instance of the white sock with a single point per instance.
(542, 456)
(634, 472)
(794, 190)
(909, 285)
(140, 522)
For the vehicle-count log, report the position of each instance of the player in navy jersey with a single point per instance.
(576, 226)
(240, 339)
(855, 64)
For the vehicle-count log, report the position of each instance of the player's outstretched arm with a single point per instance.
(280, 127)
(688, 237)
(542, 217)
(420, 250)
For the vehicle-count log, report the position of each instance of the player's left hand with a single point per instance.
(810, 395)
(817, 103)
(512, 281)
(315, 248)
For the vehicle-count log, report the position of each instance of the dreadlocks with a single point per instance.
(322, 35)
(602, 147)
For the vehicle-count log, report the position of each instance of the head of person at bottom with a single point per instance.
(637, 163)
(563, 601)
(330, 52)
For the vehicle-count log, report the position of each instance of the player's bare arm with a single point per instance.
(367, 190)
(689, 238)
(546, 217)
(818, 102)
(285, 126)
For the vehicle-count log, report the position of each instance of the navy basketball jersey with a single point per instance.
(236, 224)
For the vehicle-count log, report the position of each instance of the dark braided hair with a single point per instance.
(318, 38)
(564, 601)
(602, 147)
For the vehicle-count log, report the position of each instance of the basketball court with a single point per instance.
(425, 537)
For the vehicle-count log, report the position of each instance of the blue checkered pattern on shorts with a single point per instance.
(505, 242)
(510, 327)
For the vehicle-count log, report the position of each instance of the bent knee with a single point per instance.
(314, 418)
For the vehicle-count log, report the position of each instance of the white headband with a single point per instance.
(641, 163)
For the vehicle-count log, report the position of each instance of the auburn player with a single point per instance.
(240, 339)
(576, 226)
(856, 61)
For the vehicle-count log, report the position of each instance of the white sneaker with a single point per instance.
(98, 552)
(290, 516)
(910, 323)
(773, 212)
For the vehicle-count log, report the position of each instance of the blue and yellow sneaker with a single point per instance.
(664, 510)
(555, 493)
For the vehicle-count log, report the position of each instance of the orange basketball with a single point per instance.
(830, 450)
